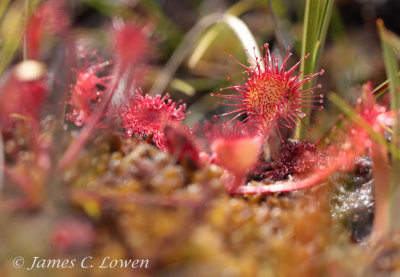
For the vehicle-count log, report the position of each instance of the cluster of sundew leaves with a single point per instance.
(270, 95)
(147, 115)
(143, 114)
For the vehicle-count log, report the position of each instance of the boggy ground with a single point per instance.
(129, 200)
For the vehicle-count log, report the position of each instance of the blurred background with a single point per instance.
(351, 56)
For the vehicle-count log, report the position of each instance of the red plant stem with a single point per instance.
(315, 178)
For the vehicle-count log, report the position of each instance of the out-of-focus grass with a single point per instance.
(208, 37)
(11, 32)
(106, 7)
(13, 18)
(390, 42)
(164, 24)
(240, 29)
(3, 7)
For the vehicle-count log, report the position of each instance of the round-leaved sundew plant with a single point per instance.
(271, 94)
(146, 115)
(85, 93)
(22, 93)
(130, 45)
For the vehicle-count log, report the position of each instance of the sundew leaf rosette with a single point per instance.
(271, 94)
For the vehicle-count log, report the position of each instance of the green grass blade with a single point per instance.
(392, 69)
(389, 37)
(316, 21)
(383, 87)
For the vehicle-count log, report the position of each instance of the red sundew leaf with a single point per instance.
(143, 114)
(50, 18)
(22, 93)
(130, 45)
(235, 147)
(272, 95)
(236, 155)
(85, 93)
(373, 113)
